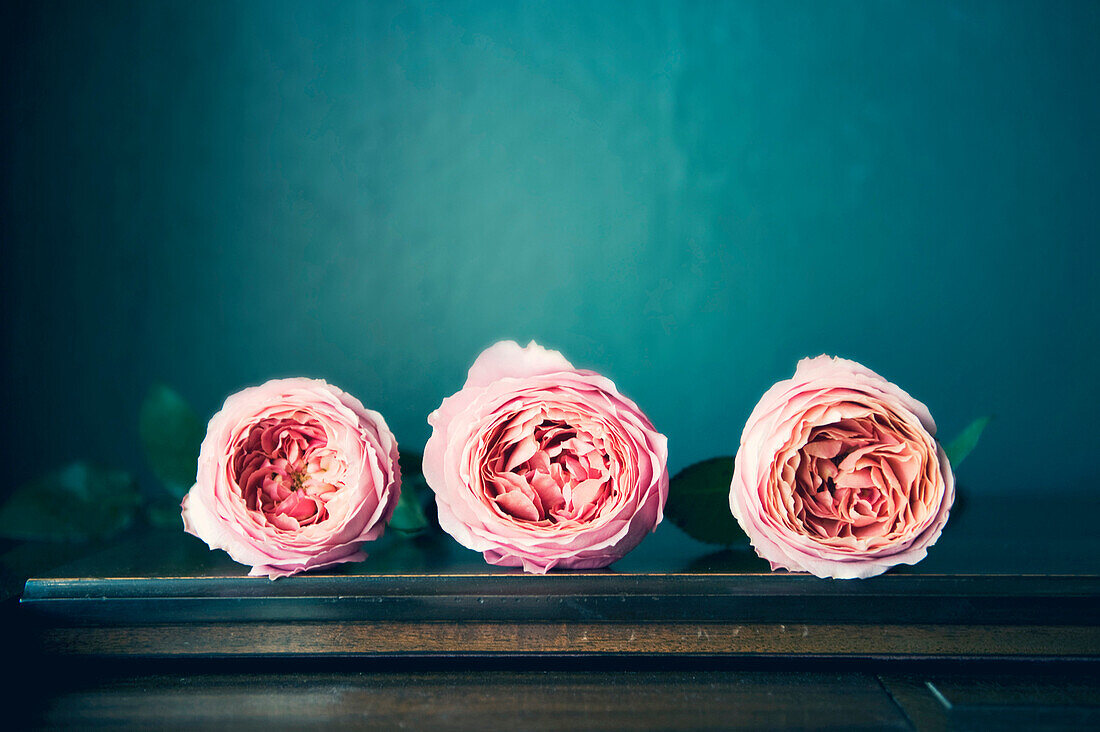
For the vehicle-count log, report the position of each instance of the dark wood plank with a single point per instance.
(992, 702)
(964, 701)
(913, 695)
(518, 639)
(779, 598)
(485, 701)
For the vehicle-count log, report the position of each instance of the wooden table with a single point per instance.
(998, 626)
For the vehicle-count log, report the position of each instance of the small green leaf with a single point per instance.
(77, 503)
(409, 516)
(171, 434)
(699, 502)
(960, 447)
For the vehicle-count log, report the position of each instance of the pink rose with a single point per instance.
(293, 475)
(839, 473)
(537, 464)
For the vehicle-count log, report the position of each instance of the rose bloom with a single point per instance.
(293, 475)
(537, 464)
(839, 473)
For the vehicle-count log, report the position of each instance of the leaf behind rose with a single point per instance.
(77, 503)
(698, 502)
(965, 442)
(409, 516)
(171, 434)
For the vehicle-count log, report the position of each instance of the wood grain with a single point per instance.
(1036, 700)
(573, 597)
(398, 638)
(478, 700)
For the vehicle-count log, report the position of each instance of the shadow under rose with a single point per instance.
(731, 559)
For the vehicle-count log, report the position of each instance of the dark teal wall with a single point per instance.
(686, 196)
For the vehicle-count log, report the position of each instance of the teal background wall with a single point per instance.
(688, 197)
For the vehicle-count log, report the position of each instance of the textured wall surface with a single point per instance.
(688, 197)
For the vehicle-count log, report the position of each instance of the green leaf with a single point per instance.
(77, 503)
(699, 502)
(171, 434)
(960, 447)
(409, 516)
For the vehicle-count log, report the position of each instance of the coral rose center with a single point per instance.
(287, 472)
(855, 483)
(548, 466)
